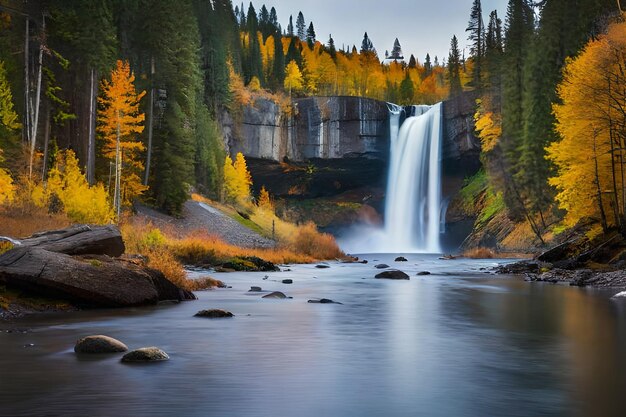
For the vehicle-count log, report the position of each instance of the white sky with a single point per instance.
(421, 25)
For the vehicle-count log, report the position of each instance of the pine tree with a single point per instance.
(428, 66)
(301, 27)
(366, 45)
(412, 62)
(120, 121)
(332, 50)
(396, 52)
(310, 36)
(454, 68)
(8, 116)
(407, 89)
(278, 70)
(290, 26)
(476, 29)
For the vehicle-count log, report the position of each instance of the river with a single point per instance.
(459, 342)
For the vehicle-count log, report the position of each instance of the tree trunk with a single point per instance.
(150, 124)
(46, 143)
(91, 146)
(118, 171)
(605, 226)
(36, 105)
(27, 84)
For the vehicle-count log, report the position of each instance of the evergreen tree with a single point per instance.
(428, 66)
(273, 21)
(293, 52)
(252, 61)
(278, 71)
(366, 45)
(412, 62)
(301, 27)
(476, 29)
(264, 22)
(310, 36)
(454, 68)
(407, 89)
(290, 26)
(396, 52)
(331, 48)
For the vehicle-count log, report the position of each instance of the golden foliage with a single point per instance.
(120, 120)
(237, 179)
(8, 117)
(293, 77)
(67, 184)
(264, 201)
(593, 96)
(489, 127)
(7, 188)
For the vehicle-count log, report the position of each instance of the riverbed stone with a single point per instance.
(276, 294)
(255, 289)
(214, 314)
(99, 344)
(401, 259)
(394, 274)
(146, 354)
(381, 266)
(287, 281)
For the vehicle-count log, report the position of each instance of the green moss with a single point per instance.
(95, 263)
(494, 204)
(472, 190)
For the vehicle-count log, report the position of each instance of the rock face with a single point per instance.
(99, 344)
(146, 354)
(42, 266)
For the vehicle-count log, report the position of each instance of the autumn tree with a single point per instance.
(7, 188)
(293, 78)
(590, 157)
(237, 179)
(120, 121)
(264, 201)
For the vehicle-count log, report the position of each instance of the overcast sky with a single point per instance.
(421, 25)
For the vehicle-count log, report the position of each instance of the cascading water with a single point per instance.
(413, 206)
(413, 201)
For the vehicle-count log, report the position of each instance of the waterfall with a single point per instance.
(413, 202)
(414, 211)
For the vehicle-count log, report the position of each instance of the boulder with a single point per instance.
(394, 274)
(401, 259)
(99, 344)
(250, 264)
(79, 240)
(381, 266)
(287, 281)
(423, 273)
(87, 281)
(214, 314)
(276, 294)
(322, 266)
(255, 289)
(323, 301)
(146, 354)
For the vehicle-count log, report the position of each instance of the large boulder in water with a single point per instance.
(99, 344)
(214, 314)
(146, 354)
(87, 281)
(394, 274)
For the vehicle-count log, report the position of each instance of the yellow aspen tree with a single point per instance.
(120, 123)
(230, 180)
(244, 179)
(7, 188)
(293, 77)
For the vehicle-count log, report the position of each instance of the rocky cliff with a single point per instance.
(338, 147)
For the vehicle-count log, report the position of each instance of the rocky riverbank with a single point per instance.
(78, 267)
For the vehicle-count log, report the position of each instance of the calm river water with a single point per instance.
(456, 343)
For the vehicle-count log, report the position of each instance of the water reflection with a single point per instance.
(456, 343)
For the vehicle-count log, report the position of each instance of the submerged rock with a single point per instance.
(287, 281)
(276, 294)
(146, 354)
(214, 314)
(401, 259)
(255, 289)
(323, 301)
(322, 266)
(381, 266)
(423, 273)
(99, 344)
(394, 274)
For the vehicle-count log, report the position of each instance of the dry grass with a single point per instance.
(480, 253)
(20, 222)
